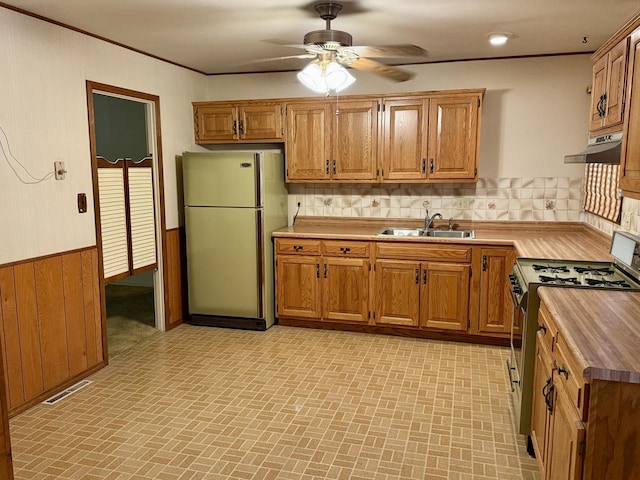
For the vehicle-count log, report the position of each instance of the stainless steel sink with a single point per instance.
(402, 232)
(421, 232)
(450, 233)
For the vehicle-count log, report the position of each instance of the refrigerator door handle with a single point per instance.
(261, 252)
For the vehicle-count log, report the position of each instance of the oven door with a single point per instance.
(514, 363)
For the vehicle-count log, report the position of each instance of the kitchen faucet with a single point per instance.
(428, 220)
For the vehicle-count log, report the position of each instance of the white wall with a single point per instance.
(535, 109)
(43, 111)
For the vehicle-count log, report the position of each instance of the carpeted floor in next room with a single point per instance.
(130, 317)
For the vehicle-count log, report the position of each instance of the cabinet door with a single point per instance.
(398, 292)
(453, 138)
(630, 162)
(345, 289)
(598, 90)
(308, 145)
(565, 457)
(260, 122)
(215, 123)
(496, 306)
(444, 302)
(405, 139)
(355, 140)
(616, 81)
(542, 394)
(298, 286)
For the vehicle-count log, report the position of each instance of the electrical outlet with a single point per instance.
(626, 221)
(463, 203)
(58, 170)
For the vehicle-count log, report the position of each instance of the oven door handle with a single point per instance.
(512, 382)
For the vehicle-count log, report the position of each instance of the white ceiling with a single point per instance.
(228, 36)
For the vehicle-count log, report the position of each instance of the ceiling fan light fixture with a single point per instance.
(324, 78)
(499, 38)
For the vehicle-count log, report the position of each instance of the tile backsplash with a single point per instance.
(538, 198)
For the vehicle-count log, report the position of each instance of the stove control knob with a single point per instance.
(517, 290)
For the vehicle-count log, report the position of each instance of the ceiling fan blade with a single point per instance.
(401, 50)
(284, 43)
(393, 73)
(287, 57)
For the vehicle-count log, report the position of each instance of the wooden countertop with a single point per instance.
(553, 240)
(601, 327)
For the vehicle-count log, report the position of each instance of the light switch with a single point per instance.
(82, 203)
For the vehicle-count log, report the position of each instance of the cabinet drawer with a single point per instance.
(424, 251)
(570, 374)
(295, 245)
(547, 329)
(339, 248)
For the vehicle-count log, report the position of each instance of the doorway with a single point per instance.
(129, 212)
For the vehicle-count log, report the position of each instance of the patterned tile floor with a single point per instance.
(289, 403)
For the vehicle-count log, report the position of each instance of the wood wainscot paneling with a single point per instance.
(51, 326)
(175, 283)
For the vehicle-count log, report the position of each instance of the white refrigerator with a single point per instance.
(233, 202)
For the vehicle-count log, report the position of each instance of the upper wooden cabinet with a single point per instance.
(630, 157)
(330, 140)
(608, 88)
(249, 121)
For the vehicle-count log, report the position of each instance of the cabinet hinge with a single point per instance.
(470, 271)
(478, 103)
(369, 267)
(369, 314)
(475, 172)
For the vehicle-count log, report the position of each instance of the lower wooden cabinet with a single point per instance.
(298, 286)
(444, 300)
(543, 400)
(565, 451)
(496, 307)
(332, 285)
(397, 289)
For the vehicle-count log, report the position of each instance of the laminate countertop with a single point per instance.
(551, 240)
(601, 327)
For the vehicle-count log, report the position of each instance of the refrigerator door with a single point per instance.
(223, 258)
(221, 179)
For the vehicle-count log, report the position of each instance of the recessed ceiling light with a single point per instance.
(499, 38)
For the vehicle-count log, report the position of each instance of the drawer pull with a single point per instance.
(542, 328)
(297, 248)
(345, 249)
(563, 371)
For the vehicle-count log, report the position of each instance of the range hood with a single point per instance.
(602, 149)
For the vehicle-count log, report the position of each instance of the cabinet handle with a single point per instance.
(297, 248)
(317, 270)
(345, 249)
(325, 270)
(484, 263)
(604, 105)
(542, 328)
(424, 276)
(431, 165)
(334, 167)
(326, 167)
(235, 128)
(417, 276)
(241, 127)
(563, 371)
(547, 393)
(424, 165)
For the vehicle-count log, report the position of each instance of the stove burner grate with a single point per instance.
(594, 270)
(601, 282)
(560, 280)
(550, 268)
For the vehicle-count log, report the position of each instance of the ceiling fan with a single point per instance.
(327, 46)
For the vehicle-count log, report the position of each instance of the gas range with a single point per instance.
(623, 273)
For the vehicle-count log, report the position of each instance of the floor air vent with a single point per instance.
(65, 393)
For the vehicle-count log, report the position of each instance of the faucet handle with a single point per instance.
(450, 223)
